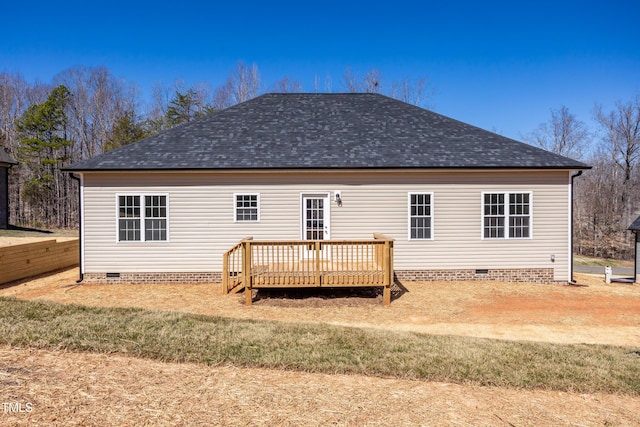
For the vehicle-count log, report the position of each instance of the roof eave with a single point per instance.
(346, 168)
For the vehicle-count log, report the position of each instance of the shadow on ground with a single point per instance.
(32, 230)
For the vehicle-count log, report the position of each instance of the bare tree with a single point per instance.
(246, 82)
(416, 92)
(317, 84)
(328, 84)
(563, 134)
(372, 82)
(97, 101)
(599, 227)
(621, 133)
(287, 85)
(223, 95)
(37, 93)
(350, 81)
(157, 109)
(242, 85)
(621, 138)
(12, 103)
(606, 196)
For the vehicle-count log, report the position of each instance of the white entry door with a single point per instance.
(315, 217)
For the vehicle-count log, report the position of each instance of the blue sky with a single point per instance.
(501, 66)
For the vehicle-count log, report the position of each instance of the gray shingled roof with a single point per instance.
(326, 131)
(635, 226)
(5, 157)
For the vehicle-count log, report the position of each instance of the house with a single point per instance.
(461, 203)
(6, 161)
(635, 227)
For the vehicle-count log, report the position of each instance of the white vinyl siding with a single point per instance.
(246, 207)
(201, 227)
(420, 216)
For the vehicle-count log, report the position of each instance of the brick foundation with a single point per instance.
(142, 278)
(528, 275)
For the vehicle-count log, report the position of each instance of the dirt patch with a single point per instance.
(603, 310)
(314, 297)
(64, 389)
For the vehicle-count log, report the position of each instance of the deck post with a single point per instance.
(225, 273)
(317, 263)
(386, 293)
(246, 271)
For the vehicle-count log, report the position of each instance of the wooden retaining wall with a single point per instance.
(31, 259)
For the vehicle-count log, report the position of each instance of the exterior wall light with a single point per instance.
(337, 195)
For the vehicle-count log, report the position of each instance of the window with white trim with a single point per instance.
(142, 218)
(247, 208)
(420, 216)
(506, 215)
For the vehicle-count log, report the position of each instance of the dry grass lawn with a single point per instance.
(70, 389)
(589, 312)
(93, 389)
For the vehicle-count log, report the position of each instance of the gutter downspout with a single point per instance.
(636, 255)
(73, 176)
(572, 221)
(7, 193)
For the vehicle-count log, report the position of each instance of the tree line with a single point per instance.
(86, 111)
(607, 197)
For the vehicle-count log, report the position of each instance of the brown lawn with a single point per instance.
(90, 389)
(589, 312)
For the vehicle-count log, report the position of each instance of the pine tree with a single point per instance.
(185, 107)
(44, 149)
(126, 130)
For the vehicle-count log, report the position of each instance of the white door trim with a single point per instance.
(326, 208)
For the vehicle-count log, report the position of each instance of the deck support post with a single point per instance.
(388, 274)
(246, 271)
(317, 262)
(225, 273)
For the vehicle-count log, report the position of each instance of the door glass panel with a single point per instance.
(314, 219)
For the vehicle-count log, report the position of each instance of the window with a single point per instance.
(155, 222)
(420, 216)
(519, 215)
(246, 208)
(129, 218)
(512, 221)
(137, 211)
(493, 215)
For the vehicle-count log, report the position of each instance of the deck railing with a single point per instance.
(309, 263)
(232, 262)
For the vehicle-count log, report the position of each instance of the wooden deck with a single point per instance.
(309, 263)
